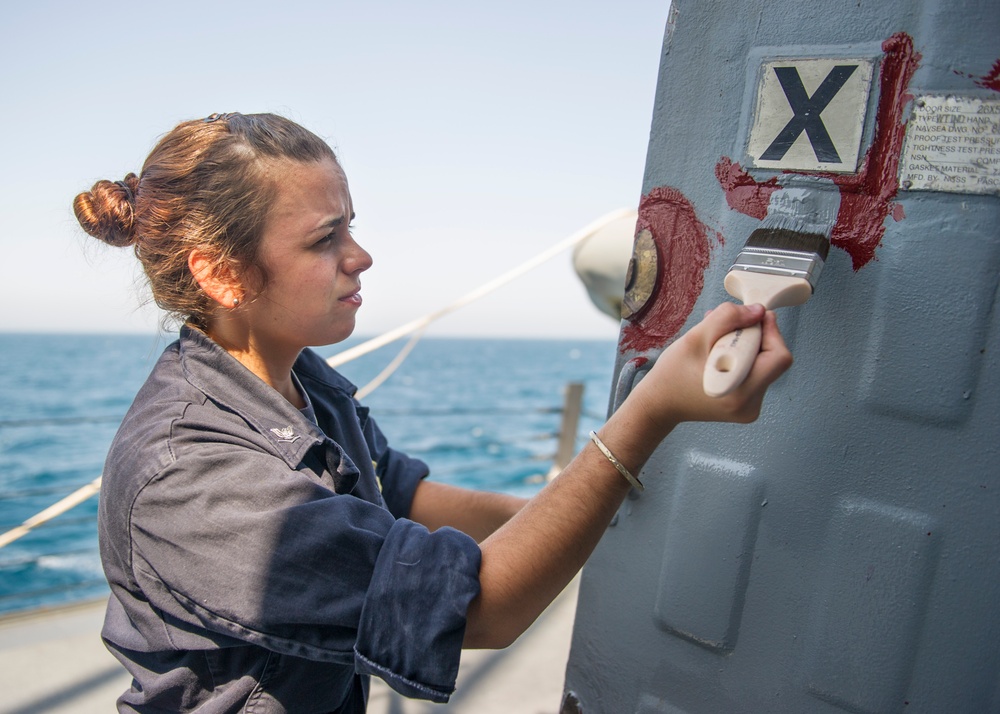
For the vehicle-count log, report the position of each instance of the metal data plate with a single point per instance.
(952, 144)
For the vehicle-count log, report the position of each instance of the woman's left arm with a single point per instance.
(475, 513)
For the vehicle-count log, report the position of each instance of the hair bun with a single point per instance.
(107, 211)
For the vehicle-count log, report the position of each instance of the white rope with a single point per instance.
(392, 367)
(422, 322)
(56, 509)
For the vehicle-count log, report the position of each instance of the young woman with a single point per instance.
(266, 549)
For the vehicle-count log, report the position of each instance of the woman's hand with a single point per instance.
(672, 391)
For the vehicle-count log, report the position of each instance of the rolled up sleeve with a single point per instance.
(400, 475)
(413, 619)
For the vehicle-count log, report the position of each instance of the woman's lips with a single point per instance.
(354, 298)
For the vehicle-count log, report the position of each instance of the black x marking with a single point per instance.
(807, 112)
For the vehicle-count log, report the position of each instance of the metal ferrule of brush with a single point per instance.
(774, 261)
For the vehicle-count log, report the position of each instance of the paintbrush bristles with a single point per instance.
(785, 239)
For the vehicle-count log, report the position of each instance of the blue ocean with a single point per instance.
(483, 413)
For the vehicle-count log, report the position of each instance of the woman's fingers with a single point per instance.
(727, 318)
(774, 358)
(772, 361)
(673, 391)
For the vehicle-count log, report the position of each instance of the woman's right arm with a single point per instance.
(529, 560)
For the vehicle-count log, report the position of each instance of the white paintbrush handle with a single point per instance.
(730, 361)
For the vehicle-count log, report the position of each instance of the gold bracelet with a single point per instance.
(636, 483)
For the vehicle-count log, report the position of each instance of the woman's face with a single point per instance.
(312, 262)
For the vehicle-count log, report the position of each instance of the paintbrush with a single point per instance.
(778, 267)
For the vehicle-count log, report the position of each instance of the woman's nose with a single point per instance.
(359, 259)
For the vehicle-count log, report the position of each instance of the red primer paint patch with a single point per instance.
(683, 245)
(991, 80)
(866, 198)
(743, 193)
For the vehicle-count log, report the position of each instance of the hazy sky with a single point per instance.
(474, 136)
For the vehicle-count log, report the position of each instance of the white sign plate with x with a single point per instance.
(810, 114)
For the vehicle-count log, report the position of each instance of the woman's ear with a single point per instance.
(216, 279)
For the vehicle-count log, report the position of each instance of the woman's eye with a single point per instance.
(335, 234)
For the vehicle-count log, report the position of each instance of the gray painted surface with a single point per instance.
(842, 553)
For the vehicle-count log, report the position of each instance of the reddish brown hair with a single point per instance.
(203, 185)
